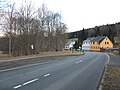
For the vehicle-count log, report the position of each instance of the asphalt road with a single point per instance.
(71, 73)
(115, 60)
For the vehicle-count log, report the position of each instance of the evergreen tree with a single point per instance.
(97, 31)
(111, 32)
(82, 37)
(76, 45)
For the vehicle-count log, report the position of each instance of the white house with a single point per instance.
(69, 45)
(86, 44)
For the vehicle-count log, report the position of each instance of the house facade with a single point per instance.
(98, 43)
(106, 43)
(86, 44)
(69, 45)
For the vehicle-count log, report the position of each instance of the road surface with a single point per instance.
(115, 60)
(71, 73)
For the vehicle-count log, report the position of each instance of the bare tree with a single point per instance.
(8, 18)
(53, 29)
(25, 19)
(43, 30)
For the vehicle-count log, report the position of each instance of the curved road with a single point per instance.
(70, 73)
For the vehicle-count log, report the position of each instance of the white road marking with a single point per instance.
(17, 86)
(30, 81)
(79, 61)
(46, 75)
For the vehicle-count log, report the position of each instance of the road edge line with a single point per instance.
(103, 74)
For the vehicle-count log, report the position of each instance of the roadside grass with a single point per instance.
(44, 54)
(116, 53)
(112, 78)
(3, 56)
(70, 54)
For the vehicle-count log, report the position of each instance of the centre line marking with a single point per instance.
(30, 81)
(17, 86)
(46, 75)
(79, 61)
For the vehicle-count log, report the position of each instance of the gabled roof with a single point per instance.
(99, 39)
(69, 42)
(88, 39)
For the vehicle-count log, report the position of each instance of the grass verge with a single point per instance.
(4, 56)
(112, 78)
(46, 54)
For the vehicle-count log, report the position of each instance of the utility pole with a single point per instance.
(10, 54)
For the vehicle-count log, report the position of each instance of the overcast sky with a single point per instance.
(79, 14)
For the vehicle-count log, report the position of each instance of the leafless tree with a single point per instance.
(52, 28)
(8, 19)
(41, 29)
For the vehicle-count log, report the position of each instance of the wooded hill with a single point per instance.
(110, 30)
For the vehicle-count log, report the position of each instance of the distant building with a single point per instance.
(97, 43)
(86, 44)
(71, 41)
(69, 45)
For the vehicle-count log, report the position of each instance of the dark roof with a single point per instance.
(98, 39)
(68, 43)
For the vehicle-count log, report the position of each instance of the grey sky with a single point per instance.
(84, 13)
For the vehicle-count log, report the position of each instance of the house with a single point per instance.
(86, 44)
(97, 43)
(69, 45)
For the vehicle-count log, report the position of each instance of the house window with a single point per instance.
(107, 42)
(93, 42)
(96, 47)
(106, 38)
